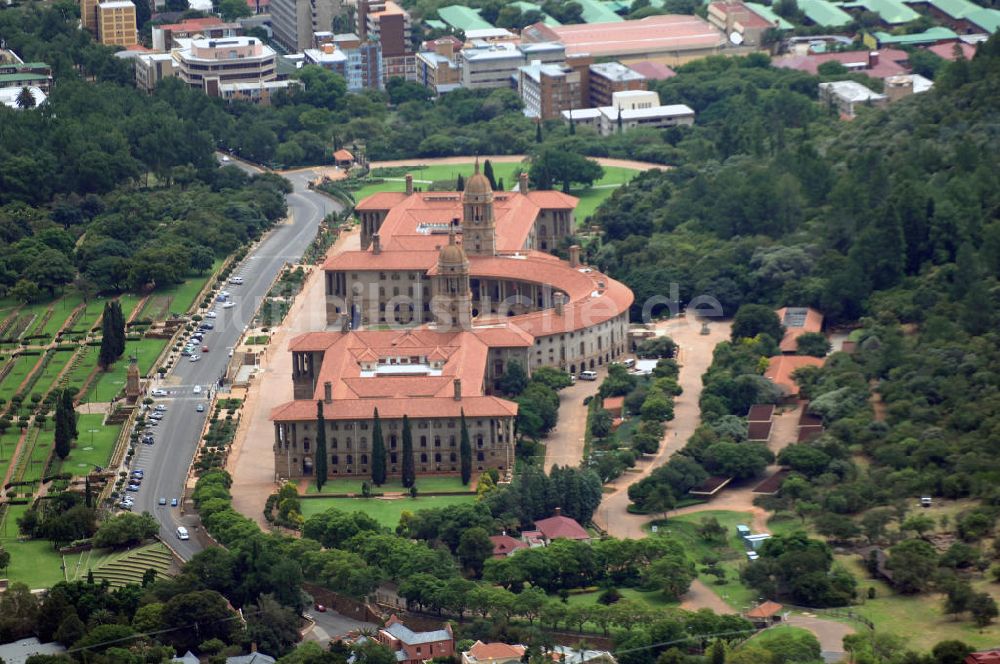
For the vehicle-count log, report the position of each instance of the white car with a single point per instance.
(197, 389)
(236, 281)
(211, 314)
(224, 293)
(195, 358)
(229, 305)
(159, 393)
(225, 160)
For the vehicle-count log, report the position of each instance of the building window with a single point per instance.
(423, 441)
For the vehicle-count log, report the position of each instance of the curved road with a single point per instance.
(177, 437)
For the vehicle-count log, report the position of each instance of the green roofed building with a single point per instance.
(988, 20)
(892, 12)
(463, 18)
(931, 36)
(768, 14)
(435, 24)
(526, 7)
(595, 12)
(825, 14)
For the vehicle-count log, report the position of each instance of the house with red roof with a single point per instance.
(505, 545)
(493, 653)
(558, 527)
(781, 367)
(876, 64)
(984, 657)
(413, 647)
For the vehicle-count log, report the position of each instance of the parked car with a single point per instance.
(197, 389)
(208, 326)
(211, 314)
(225, 160)
(200, 408)
(204, 349)
(138, 472)
(163, 500)
(229, 305)
(159, 393)
(186, 352)
(236, 280)
(320, 608)
(195, 358)
(173, 502)
(132, 487)
(156, 416)
(160, 408)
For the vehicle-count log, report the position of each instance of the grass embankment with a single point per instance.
(384, 510)
(590, 197)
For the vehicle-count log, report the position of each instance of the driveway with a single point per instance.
(511, 159)
(694, 357)
(830, 634)
(331, 625)
(564, 444)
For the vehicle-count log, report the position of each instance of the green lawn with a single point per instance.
(590, 198)
(8, 441)
(385, 511)
(93, 447)
(110, 383)
(23, 364)
(919, 618)
(452, 484)
(33, 562)
(176, 299)
(651, 598)
(732, 556)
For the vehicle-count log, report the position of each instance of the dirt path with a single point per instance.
(251, 461)
(694, 355)
(830, 634)
(700, 596)
(510, 159)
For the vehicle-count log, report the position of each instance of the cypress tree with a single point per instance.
(538, 132)
(107, 355)
(320, 447)
(378, 452)
(70, 410)
(65, 425)
(460, 183)
(409, 470)
(500, 186)
(88, 499)
(465, 452)
(119, 319)
(488, 172)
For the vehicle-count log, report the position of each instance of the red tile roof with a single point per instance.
(653, 71)
(485, 652)
(984, 657)
(660, 35)
(761, 412)
(780, 369)
(343, 155)
(759, 430)
(561, 526)
(889, 60)
(947, 50)
(504, 545)
(813, 322)
(765, 610)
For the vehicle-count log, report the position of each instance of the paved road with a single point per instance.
(166, 463)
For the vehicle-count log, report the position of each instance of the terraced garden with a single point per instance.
(128, 567)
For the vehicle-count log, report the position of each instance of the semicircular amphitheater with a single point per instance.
(448, 290)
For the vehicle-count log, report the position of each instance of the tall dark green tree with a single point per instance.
(538, 132)
(465, 452)
(460, 183)
(320, 465)
(378, 451)
(488, 172)
(409, 470)
(65, 424)
(109, 337)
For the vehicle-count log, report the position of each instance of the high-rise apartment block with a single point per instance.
(295, 22)
(116, 23)
(388, 24)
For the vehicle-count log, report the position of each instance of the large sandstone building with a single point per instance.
(448, 290)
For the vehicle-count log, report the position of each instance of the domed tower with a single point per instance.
(478, 225)
(452, 298)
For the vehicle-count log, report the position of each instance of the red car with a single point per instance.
(320, 608)
(204, 349)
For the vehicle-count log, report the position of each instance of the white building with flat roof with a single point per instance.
(848, 96)
(208, 63)
(631, 109)
(495, 65)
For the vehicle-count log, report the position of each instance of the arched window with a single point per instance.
(437, 441)
(364, 459)
(423, 457)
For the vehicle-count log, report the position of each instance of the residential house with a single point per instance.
(848, 96)
(781, 367)
(493, 653)
(416, 647)
(505, 545)
(557, 527)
